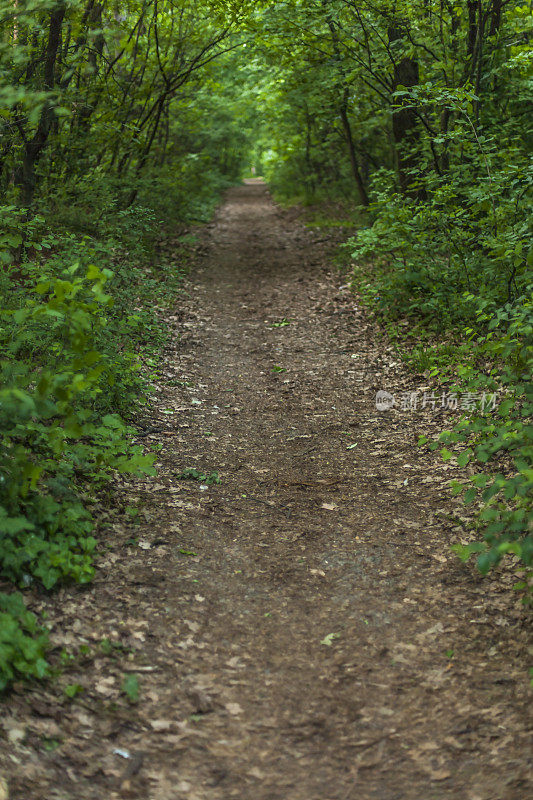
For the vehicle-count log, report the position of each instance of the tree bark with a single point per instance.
(472, 27)
(351, 150)
(354, 162)
(404, 130)
(34, 147)
(495, 17)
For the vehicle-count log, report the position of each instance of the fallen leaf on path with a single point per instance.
(373, 759)
(439, 774)
(202, 701)
(105, 686)
(15, 735)
(233, 708)
(161, 724)
(327, 640)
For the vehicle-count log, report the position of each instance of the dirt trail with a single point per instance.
(301, 631)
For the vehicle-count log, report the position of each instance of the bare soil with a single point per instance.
(300, 631)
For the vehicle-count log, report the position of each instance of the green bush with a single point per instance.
(502, 443)
(434, 257)
(22, 642)
(460, 256)
(55, 439)
(68, 378)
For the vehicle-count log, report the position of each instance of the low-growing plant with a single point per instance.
(498, 445)
(23, 642)
(501, 445)
(209, 478)
(130, 687)
(71, 375)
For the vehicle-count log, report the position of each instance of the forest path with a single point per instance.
(292, 627)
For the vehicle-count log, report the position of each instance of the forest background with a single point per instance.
(121, 123)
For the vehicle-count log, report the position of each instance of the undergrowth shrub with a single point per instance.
(434, 258)
(54, 435)
(500, 446)
(75, 330)
(23, 642)
(460, 260)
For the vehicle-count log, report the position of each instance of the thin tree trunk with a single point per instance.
(146, 152)
(405, 133)
(354, 162)
(34, 147)
(351, 150)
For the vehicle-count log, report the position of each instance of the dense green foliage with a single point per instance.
(70, 375)
(101, 100)
(22, 641)
(115, 117)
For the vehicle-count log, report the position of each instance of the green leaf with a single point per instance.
(505, 407)
(327, 640)
(130, 687)
(463, 458)
(469, 496)
(73, 689)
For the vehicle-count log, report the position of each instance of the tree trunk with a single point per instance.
(351, 150)
(146, 152)
(34, 147)
(472, 27)
(405, 133)
(356, 172)
(495, 17)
